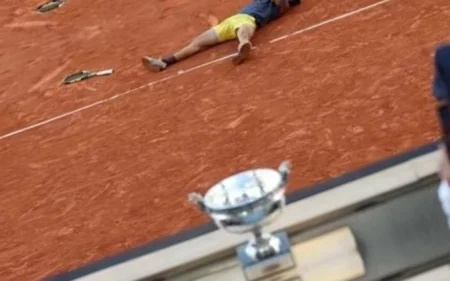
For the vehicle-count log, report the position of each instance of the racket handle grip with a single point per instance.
(104, 72)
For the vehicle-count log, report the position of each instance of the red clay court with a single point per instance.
(111, 160)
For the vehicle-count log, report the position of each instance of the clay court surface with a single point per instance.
(115, 175)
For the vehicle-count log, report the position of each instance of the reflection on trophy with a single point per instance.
(245, 202)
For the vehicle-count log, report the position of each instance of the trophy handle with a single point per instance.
(285, 170)
(197, 199)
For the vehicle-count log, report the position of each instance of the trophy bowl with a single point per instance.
(246, 201)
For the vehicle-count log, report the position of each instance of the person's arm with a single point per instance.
(441, 80)
(443, 110)
(441, 92)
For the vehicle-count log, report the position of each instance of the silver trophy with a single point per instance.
(245, 202)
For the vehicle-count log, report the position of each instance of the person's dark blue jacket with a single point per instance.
(441, 83)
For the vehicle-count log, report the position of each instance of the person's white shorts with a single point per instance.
(444, 197)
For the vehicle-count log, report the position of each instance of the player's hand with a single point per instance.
(211, 19)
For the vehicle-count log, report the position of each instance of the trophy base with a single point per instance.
(279, 266)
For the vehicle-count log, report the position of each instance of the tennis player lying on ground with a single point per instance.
(241, 26)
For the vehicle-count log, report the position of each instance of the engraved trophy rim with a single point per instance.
(243, 189)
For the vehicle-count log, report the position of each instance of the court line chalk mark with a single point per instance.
(182, 72)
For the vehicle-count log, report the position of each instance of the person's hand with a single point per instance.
(444, 164)
(211, 19)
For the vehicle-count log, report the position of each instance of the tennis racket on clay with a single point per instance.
(51, 5)
(83, 75)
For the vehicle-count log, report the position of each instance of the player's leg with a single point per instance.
(204, 40)
(244, 35)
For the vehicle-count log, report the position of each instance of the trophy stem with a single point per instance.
(259, 236)
(262, 245)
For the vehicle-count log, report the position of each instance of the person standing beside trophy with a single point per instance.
(441, 91)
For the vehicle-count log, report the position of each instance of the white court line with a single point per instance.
(331, 20)
(182, 72)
